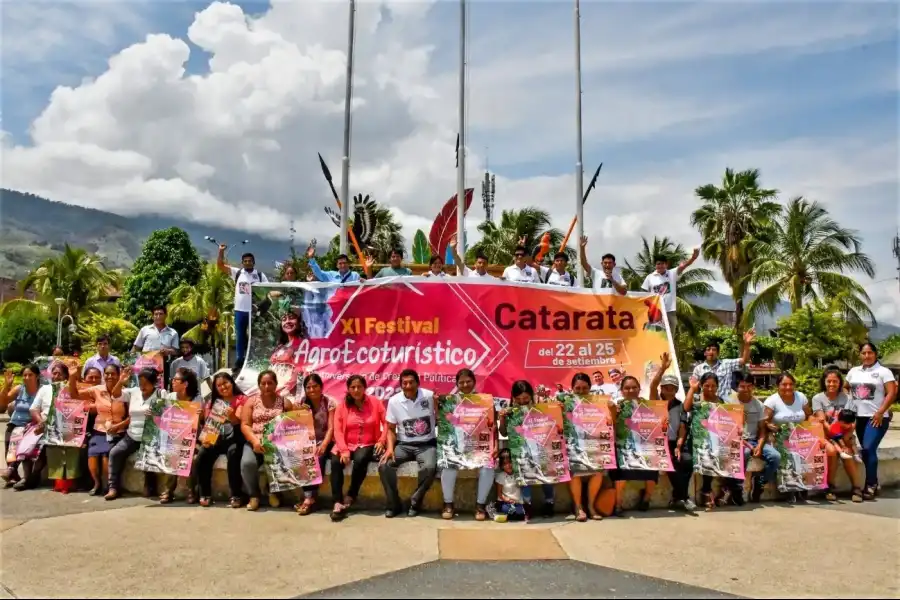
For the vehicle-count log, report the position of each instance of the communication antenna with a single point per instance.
(488, 189)
(896, 249)
(293, 232)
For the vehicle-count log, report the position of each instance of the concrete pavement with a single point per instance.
(134, 548)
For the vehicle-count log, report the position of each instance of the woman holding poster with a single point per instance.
(708, 388)
(185, 391)
(786, 410)
(584, 433)
(641, 450)
(20, 396)
(221, 434)
(484, 437)
(322, 408)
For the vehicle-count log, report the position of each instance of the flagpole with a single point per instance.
(345, 162)
(461, 161)
(579, 165)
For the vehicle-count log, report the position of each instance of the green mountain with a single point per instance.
(34, 228)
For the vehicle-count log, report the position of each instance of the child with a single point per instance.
(841, 434)
(510, 502)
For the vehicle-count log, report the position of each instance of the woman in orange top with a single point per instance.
(105, 402)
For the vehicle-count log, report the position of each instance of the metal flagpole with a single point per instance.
(461, 163)
(579, 165)
(345, 163)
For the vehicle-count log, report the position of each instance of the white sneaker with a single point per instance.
(689, 505)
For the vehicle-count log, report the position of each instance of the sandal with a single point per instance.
(235, 502)
(338, 513)
(95, 491)
(165, 498)
(253, 505)
(580, 515)
(480, 512)
(856, 495)
(204, 501)
(306, 507)
(709, 501)
(724, 498)
(112, 494)
(274, 501)
(191, 498)
(868, 494)
(447, 513)
(830, 495)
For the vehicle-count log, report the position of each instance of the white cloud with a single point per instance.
(237, 145)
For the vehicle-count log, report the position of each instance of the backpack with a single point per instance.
(550, 272)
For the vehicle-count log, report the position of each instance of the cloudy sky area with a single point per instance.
(216, 111)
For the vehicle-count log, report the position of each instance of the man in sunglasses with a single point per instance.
(520, 271)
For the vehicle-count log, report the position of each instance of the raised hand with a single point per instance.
(453, 241)
(223, 247)
(370, 260)
(310, 251)
(522, 240)
(749, 335)
(584, 241)
(8, 378)
(665, 361)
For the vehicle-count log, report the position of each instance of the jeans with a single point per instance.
(869, 439)
(250, 464)
(117, 457)
(549, 493)
(242, 335)
(425, 455)
(311, 491)
(359, 461)
(485, 483)
(770, 456)
(232, 447)
(680, 478)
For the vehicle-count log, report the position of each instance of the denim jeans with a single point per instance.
(117, 457)
(770, 456)
(869, 439)
(242, 335)
(485, 483)
(549, 493)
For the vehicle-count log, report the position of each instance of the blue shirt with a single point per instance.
(329, 276)
(100, 363)
(21, 407)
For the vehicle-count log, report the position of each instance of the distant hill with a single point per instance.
(34, 228)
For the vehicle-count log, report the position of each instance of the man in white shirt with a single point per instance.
(411, 420)
(608, 279)
(599, 386)
(191, 361)
(157, 337)
(481, 263)
(244, 279)
(663, 281)
(520, 271)
(436, 267)
(558, 275)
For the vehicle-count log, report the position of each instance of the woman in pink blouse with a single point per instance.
(359, 436)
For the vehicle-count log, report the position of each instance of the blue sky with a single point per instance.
(673, 93)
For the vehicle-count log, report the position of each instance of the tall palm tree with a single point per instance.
(692, 284)
(733, 220)
(76, 276)
(388, 235)
(210, 300)
(499, 241)
(805, 260)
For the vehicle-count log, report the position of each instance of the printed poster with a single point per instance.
(15, 437)
(214, 422)
(641, 436)
(537, 445)
(718, 430)
(465, 433)
(45, 362)
(152, 360)
(498, 329)
(804, 466)
(67, 419)
(589, 433)
(170, 433)
(289, 443)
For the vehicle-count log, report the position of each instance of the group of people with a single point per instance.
(358, 430)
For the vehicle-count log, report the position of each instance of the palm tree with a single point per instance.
(388, 235)
(499, 241)
(692, 283)
(76, 276)
(805, 260)
(733, 220)
(211, 300)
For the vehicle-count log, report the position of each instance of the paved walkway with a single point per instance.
(133, 548)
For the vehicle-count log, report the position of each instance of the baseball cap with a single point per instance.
(669, 380)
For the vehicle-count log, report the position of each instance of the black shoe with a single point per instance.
(737, 497)
(756, 490)
(548, 510)
(392, 512)
(413, 511)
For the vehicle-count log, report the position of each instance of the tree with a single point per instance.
(76, 276)
(499, 241)
(816, 333)
(889, 345)
(121, 333)
(388, 235)
(692, 283)
(732, 221)
(211, 299)
(24, 335)
(167, 260)
(805, 259)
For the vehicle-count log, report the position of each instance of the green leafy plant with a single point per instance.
(121, 334)
(24, 335)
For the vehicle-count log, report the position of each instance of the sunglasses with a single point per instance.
(520, 256)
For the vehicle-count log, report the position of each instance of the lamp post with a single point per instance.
(215, 242)
(59, 305)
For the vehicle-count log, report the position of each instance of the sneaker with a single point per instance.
(413, 511)
(390, 514)
(676, 505)
(689, 505)
(491, 511)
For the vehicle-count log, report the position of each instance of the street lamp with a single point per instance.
(59, 319)
(215, 242)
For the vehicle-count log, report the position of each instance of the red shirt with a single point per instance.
(355, 428)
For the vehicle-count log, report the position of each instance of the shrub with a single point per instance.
(121, 334)
(24, 335)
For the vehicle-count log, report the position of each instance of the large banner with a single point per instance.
(502, 331)
(718, 430)
(289, 444)
(67, 419)
(589, 433)
(214, 423)
(170, 433)
(803, 461)
(464, 432)
(537, 445)
(641, 436)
